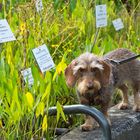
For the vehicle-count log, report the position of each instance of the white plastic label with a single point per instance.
(6, 34)
(39, 5)
(27, 75)
(43, 58)
(118, 24)
(101, 16)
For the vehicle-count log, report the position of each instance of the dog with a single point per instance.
(96, 78)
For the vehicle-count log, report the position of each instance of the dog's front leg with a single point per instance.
(89, 121)
(104, 110)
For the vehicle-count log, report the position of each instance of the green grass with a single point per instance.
(68, 29)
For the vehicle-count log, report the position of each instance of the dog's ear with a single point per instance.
(70, 77)
(106, 73)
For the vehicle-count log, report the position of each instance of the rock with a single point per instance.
(125, 126)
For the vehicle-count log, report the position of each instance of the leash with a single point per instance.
(119, 62)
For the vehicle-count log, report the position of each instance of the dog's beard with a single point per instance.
(85, 91)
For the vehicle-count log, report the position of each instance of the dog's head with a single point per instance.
(89, 72)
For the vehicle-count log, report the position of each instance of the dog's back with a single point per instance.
(127, 72)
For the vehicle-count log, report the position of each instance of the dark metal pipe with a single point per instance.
(97, 115)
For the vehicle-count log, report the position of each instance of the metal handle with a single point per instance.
(96, 114)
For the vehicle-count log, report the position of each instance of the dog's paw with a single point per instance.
(86, 127)
(123, 106)
(136, 108)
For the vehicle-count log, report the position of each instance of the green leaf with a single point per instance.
(60, 111)
(44, 124)
(40, 109)
(46, 94)
(72, 5)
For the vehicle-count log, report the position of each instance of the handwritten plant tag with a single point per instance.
(28, 77)
(39, 5)
(118, 24)
(101, 16)
(43, 58)
(6, 34)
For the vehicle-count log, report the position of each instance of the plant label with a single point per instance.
(6, 34)
(28, 77)
(39, 5)
(118, 24)
(101, 16)
(43, 58)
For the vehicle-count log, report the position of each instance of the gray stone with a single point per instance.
(125, 126)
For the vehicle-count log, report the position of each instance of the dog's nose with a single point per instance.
(90, 85)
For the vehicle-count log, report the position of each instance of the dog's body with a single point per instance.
(96, 78)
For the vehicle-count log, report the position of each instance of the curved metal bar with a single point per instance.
(97, 115)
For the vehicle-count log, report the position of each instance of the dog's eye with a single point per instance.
(94, 70)
(82, 70)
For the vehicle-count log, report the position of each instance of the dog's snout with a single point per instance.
(90, 85)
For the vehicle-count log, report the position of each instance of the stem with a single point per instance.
(95, 39)
(4, 7)
(97, 32)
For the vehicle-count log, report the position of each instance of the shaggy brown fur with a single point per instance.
(96, 78)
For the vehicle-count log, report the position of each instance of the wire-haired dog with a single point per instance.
(96, 78)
